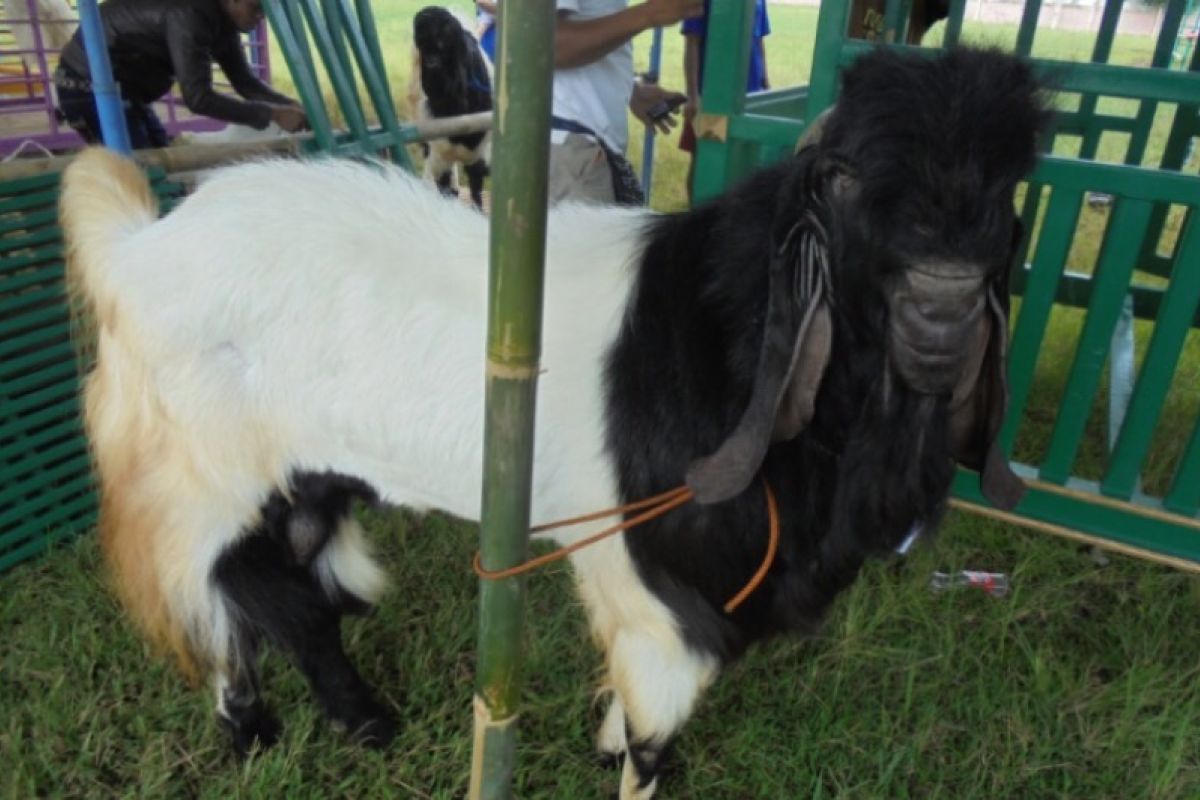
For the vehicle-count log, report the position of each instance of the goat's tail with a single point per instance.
(105, 201)
(105, 198)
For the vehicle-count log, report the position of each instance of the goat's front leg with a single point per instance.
(440, 170)
(658, 680)
(476, 172)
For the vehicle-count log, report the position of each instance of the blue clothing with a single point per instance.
(755, 78)
(488, 42)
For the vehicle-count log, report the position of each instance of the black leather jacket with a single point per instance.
(153, 43)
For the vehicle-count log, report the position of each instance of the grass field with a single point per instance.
(1081, 683)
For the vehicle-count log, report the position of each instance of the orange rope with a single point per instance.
(657, 506)
(772, 546)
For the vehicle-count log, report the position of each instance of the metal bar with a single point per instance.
(766, 130)
(1075, 290)
(108, 95)
(1101, 51)
(1134, 182)
(1138, 83)
(42, 236)
(37, 527)
(1028, 27)
(954, 23)
(63, 371)
(32, 322)
(13, 303)
(41, 495)
(832, 24)
(1053, 246)
(518, 246)
(374, 75)
(1166, 344)
(24, 202)
(649, 138)
(1126, 527)
(189, 158)
(299, 62)
(339, 75)
(726, 66)
(1114, 269)
(63, 407)
(897, 16)
(35, 546)
(51, 274)
(45, 255)
(27, 221)
(32, 461)
(1184, 494)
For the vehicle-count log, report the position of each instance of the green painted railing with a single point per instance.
(1136, 211)
(45, 471)
(347, 56)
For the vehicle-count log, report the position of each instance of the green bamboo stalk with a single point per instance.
(518, 245)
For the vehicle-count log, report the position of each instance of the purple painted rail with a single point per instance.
(27, 114)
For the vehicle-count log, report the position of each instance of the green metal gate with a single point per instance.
(1111, 282)
(45, 471)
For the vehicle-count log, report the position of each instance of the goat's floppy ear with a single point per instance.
(980, 400)
(796, 343)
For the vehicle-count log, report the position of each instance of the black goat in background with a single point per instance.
(450, 77)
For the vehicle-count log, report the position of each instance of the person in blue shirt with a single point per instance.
(485, 31)
(694, 32)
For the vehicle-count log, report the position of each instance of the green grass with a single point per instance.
(1082, 683)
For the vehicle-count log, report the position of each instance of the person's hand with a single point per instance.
(668, 12)
(290, 118)
(656, 106)
(690, 109)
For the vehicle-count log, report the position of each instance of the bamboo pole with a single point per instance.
(518, 245)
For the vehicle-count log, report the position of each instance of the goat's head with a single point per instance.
(901, 215)
(441, 41)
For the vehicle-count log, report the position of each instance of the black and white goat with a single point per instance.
(450, 76)
(836, 325)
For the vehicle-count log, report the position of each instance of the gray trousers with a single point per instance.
(579, 172)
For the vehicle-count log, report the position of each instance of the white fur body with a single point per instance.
(332, 316)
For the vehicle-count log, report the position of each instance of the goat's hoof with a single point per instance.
(607, 759)
(254, 728)
(371, 726)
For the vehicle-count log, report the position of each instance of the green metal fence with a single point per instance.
(1113, 263)
(45, 471)
(347, 58)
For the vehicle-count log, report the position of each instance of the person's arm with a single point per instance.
(691, 75)
(578, 42)
(191, 47)
(230, 56)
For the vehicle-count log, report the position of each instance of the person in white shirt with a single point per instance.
(593, 85)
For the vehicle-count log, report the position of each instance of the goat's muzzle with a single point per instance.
(936, 311)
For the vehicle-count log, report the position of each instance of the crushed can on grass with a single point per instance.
(994, 583)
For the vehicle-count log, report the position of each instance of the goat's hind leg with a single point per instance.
(292, 581)
(240, 707)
